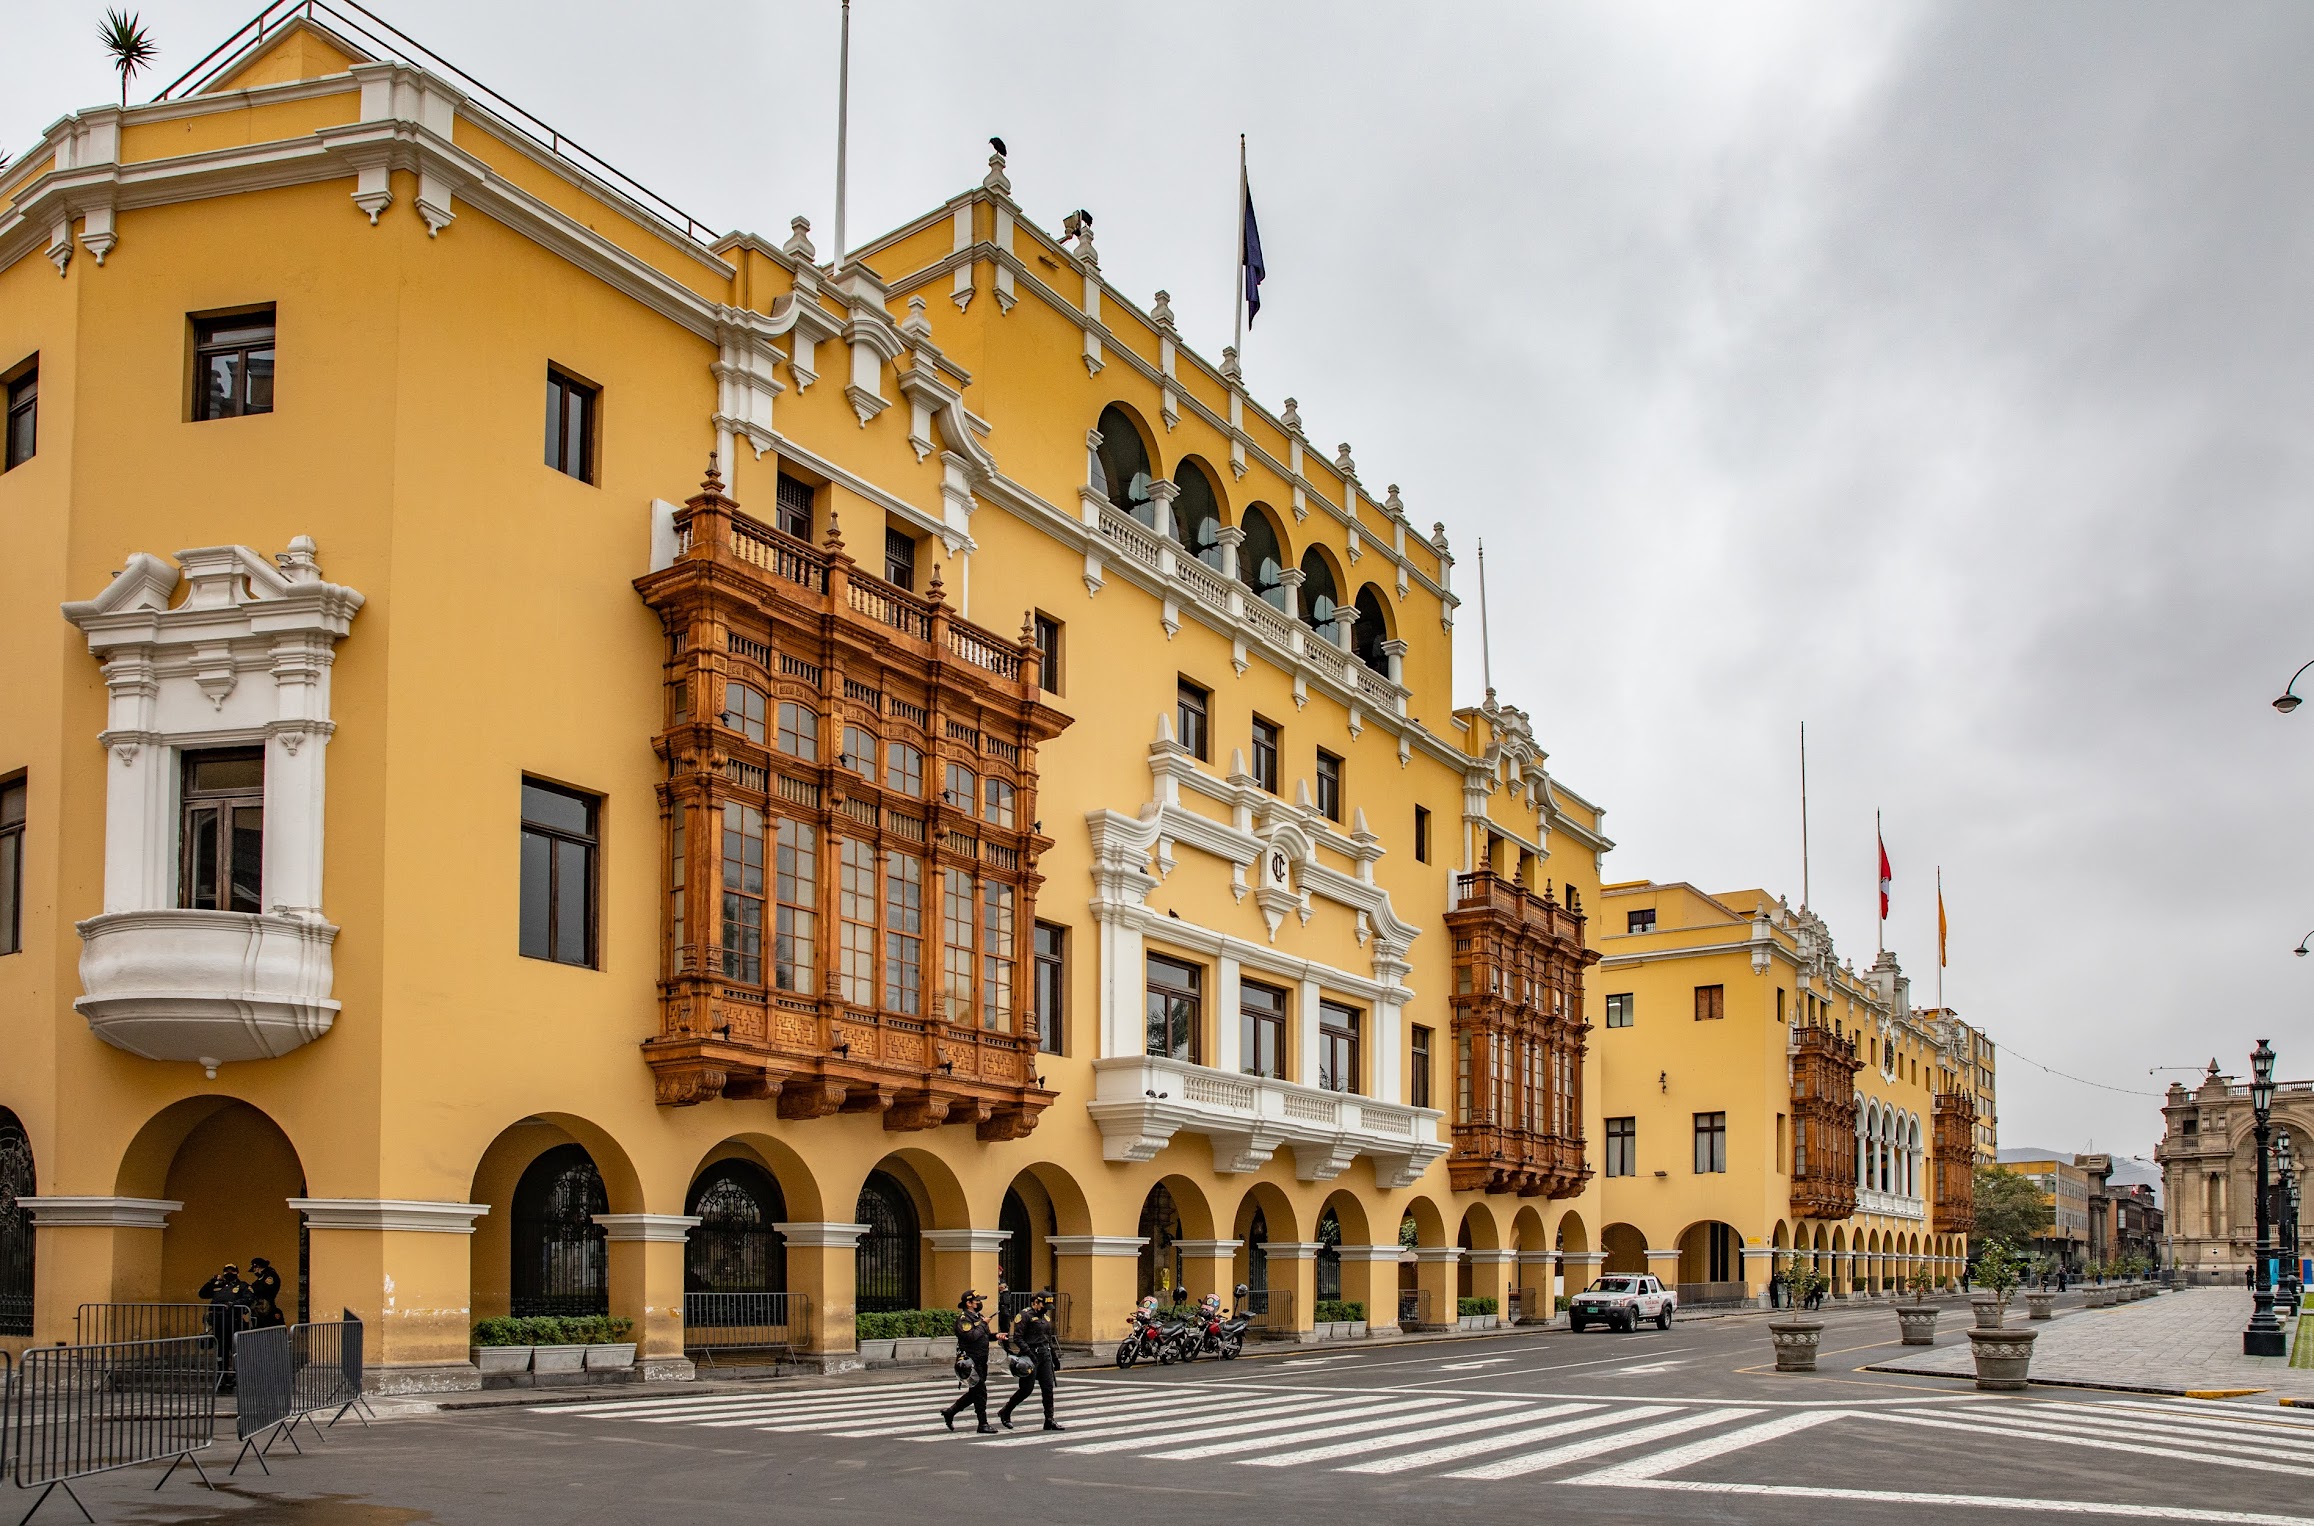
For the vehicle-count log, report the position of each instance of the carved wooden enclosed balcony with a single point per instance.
(1824, 1067)
(1954, 1204)
(1518, 1040)
(850, 844)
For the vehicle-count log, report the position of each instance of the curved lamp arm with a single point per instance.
(2289, 701)
(2301, 949)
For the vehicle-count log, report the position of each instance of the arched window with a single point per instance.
(1161, 1256)
(16, 1181)
(1013, 1263)
(1257, 1254)
(1329, 1265)
(1197, 515)
(1372, 629)
(733, 1248)
(1319, 593)
(560, 1263)
(1125, 465)
(1261, 560)
(888, 1252)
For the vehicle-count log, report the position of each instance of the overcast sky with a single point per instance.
(1935, 375)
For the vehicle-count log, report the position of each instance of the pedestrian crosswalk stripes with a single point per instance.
(1467, 1437)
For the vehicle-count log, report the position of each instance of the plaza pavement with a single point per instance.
(2187, 1341)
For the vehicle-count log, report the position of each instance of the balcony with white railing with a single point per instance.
(1891, 1204)
(1141, 1102)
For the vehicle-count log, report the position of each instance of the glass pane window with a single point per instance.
(963, 792)
(12, 867)
(795, 507)
(1048, 650)
(997, 958)
(1329, 786)
(903, 933)
(1623, 1147)
(744, 711)
(799, 732)
(1052, 990)
(956, 922)
(23, 426)
(796, 890)
(1620, 1008)
(1262, 1041)
(900, 560)
(222, 830)
(856, 915)
(558, 874)
(743, 888)
(1190, 719)
(1418, 1080)
(860, 752)
(1174, 1007)
(1265, 754)
(998, 798)
(1710, 1142)
(570, 425)
(903, 769)
(1338, 1028)
(233, 365)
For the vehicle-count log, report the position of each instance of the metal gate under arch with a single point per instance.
(561, 1260)
(889, 1252)
(16, 1238)
(733, 1248)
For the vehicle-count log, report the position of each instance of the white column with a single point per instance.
(1305, 1034)
(1123, 991)
(1228, 1025)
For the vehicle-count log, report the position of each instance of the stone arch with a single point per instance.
(1429, 1221)
(1264, 555)
(1323, 588)
(932, 1182)
(734, 1247)
(18, 1179)
(1572, 1236)
(1373, 628)
(1173, 1210)
(1264, 1216)
(798, 1183)
(1199, 510)
(235, 1169)
(1527, 1232)
(1626, 1249)
(1782, 1238)
(1128, 459)
(1041, 1200)
(498, 1175)
(1480, 1230)
(1711, 1256)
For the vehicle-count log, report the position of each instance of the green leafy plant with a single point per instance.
(1340, 1311)
(2000, 1269)
(2010, 1208)
(1919, 1283)
(547, 1330)
(1559, 1304)
(905, 1324)
(1470, 1306)
(1804, 1280)
(131, 46)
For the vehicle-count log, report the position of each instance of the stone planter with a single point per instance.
(876, 1351)
(2100, 1298)
(500, 1361)
(1988, 1312)
(1339, 1330)
(1477, 1321)
(2002, 1356)
(912, 1348)
(1918, 1325)
(2040, 1306)
(611, 1356)
(550, 1364)
(1796, 1342)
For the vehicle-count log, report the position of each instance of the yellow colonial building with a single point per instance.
(1760, 1097)
(911, 776)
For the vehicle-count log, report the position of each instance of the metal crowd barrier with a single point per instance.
(290, 1373)
(73, 1411)
(729, 1323)
(1271, 1313)
(1014, 1304)
(104, 1324)
(1414, 1309)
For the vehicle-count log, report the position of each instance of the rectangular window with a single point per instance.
(997, 797)
(1779, 1004)
(1048, 651)
(743, 884)
(1642, 921)
(997, 958)
(1175, 1008)
(856, 923)
(1421, 835)
(1262, 1042)
(796, 888)
(744, 711)
(900, 560)
(1265, 754)
(1620, 1008)
(23, 427)
(956, 946)
(558, 874)
(678, 873)
(233, 365)
(1623, 1147)
(222, 830)
(1190, 719)
(1463, 1099)
(903, 933)
(1710, 1003)
(12, 866)
(1710, 1143)
(570, 425)
(1052, 986)
(860, 752)
(903, 769)
(1338, 1047)
(1329, 786)
(799, 732)
(1418, 1081)
(963, 792)
(795, 507)
(1779, 1141)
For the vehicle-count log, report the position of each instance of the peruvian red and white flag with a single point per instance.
(1887, 875)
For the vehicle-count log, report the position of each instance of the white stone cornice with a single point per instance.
(99, 1212)
(1118, 1246)
(1208, 1247)
(406, 1215)
(983, 1241)
(651, 1228)
(1370, 1254)
(822, 1235)
(1292, 1250)
(1448, 1254)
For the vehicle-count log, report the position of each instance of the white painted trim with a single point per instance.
(99, 1212)
(651, 1228)
(1434, 1254)
(406, 1215)
(983, 1241)
(1118, 1246)
(822, 1235)
(1209, 1247)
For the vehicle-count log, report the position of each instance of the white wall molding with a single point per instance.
(99, 1212)
(821, 1235)
(1118, 1246)
(650, 1228)
(407, 1215)
(982, 1241)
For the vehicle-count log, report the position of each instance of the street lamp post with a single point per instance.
(2264, 1335)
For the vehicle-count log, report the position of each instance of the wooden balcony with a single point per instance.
(1492, 1157)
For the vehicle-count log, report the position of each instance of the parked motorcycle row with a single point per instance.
(1169, 1336)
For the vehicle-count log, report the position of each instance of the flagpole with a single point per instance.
(1880, 849)
(1237, 277)
(1940, 937)
(843, 121)
(1803, 815)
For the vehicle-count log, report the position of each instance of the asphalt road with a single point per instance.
(1689, 1423)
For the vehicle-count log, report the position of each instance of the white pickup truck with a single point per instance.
(1620, 1302)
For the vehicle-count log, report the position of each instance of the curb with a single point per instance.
(2162, 1390)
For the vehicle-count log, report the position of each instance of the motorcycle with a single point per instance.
(1145, 1338)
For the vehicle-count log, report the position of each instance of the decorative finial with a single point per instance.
(835, 536)
(1161, 311)
(934, 592)
(1343, 463)
(297, 563)
(1396, 508)
(995, 179)
(1292, 417)
(1438, 535)
(1229, 366)
(1078, 225)
(1028, 627)
(712, 485)
(799, 243)
(916, 328)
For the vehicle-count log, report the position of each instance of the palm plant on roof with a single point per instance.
(131, 46)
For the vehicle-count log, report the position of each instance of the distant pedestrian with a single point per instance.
(972, 1341)
(1033, 1338)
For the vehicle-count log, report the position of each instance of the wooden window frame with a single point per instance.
(795, 895)
(1422, 834)
(902, 925)
(204, 329)
(899, 570)
(862, 764)
(563, 437)
(1193, 718)
(1048, 646)
(746, 886)
(226, 803)
(587, 843)
(1330, 785)
(1193, 990)
(794, 499)
(21, 387)
(1341, 1049)
(1711, 1144)
(15, 806)
(1710, 1003)
(1268, 741)
(1627, 1138)
(1627, 1004)
(1050, 951)
(1252, 1023)
(904, 769)
(1640, 921)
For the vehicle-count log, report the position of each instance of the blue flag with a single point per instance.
(1249, 259)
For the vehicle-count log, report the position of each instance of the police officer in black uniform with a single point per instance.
(1033, 1337)
(973, 1337)
(264, 1295)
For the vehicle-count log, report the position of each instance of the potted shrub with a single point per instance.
(1917, 1323)
(877, 1335)
(922, 1334)
(2002, 1355)
(501, 1350)
(1476, 1313)
(559, 1352)
(1799, 1333)
(608, 1350)
(1340, 1319)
